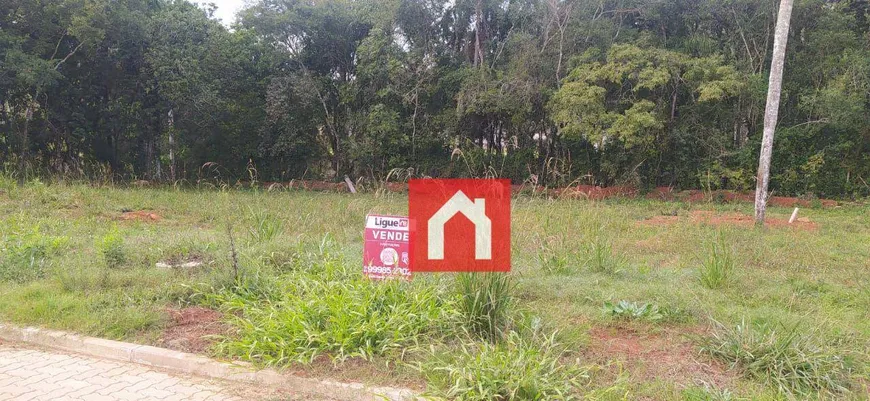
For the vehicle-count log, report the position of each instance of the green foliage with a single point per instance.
(324, 307)
(555, 257)
(633, 310)
(309, 283)
(25, 253)
(599, 254)
(111, 247)
(792, 362)
(718, 267)
(514, 369)
(266, 227)
(326, 89)
(616, 100)
(485, 302)
(707, 393)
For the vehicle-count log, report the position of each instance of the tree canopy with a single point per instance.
(641, 92)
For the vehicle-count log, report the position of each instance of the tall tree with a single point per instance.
(771, 112)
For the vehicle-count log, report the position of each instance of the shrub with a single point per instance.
(633, 310)
(111, 246)
(485, 302)
(24, 255)
(514, 369)
(717, 270)
(791, 362)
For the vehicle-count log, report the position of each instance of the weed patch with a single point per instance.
(111, 246)
(600, 257)
(555, 257)
(327, 309)
(24, 254)
(485, 302)
(266, 226)
(513, 369)
(790, 361)
(633, 310)
(717, 270)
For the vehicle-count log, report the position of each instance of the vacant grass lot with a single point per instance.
(607, 300)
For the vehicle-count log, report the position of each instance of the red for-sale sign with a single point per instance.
(386, 253)
(462, 225)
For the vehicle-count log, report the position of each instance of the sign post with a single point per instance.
(386, 250)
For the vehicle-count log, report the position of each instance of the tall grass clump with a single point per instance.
(266, 227)
(788, 360)
(516, 368)
(485, 302)
(327, 308)
(600, 257)
(111, 247)
(717, 269)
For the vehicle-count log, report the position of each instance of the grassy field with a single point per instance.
(628, 299)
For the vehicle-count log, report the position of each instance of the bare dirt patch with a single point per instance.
(738, 219)
(666, 355)
(191, 329)
(140, 215)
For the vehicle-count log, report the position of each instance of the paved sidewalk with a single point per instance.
(30, 374)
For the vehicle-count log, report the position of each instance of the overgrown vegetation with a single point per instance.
(717, 268)
(111, 246)
(516, 368)
(326, 308)
(791, 361)
(25, 252)
(485, 301)
(299, 296)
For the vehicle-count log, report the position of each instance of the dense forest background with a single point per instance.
(638, 92)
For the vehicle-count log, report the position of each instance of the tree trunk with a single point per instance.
(478, 41)
(25, 146)
(171, 147)
(771, 112)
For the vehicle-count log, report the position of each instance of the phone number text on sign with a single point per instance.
(386, 247)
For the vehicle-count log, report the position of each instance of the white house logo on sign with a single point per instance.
(386, 247)
(475, 212)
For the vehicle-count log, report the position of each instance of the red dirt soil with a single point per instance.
(591, 192)
(668, 356)
(140, 215)
(738, 219)
(190, 329)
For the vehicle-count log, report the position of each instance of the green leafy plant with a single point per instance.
(787, 359)
(517, 368)
(111, 246)
(717, 270)
(485, 302)
(633, 310)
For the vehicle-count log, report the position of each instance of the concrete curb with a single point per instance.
(197, 365)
